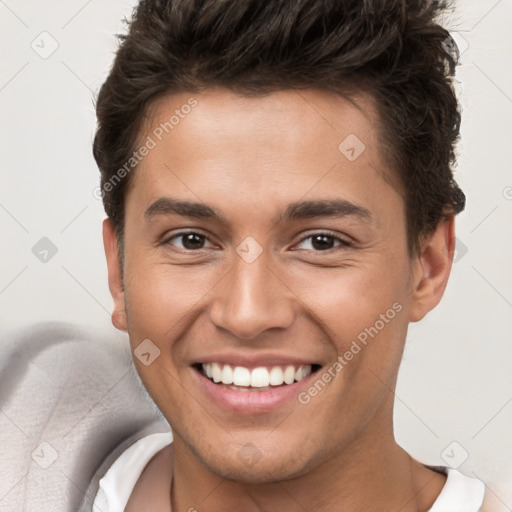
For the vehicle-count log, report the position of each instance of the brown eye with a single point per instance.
(322, 242)
(189, 241)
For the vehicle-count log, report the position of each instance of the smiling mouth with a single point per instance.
(261, 378)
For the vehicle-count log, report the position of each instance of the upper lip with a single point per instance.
(254, 361)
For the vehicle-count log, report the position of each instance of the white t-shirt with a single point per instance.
(460, 493)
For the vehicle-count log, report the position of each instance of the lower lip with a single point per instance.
(251, 402)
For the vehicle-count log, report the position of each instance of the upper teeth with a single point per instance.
(258, 377)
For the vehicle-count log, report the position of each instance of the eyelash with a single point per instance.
(183, 234)
(342, 242)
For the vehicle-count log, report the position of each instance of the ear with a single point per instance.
(431, 269)
(115, 280)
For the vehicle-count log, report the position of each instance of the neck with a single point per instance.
(371, 472)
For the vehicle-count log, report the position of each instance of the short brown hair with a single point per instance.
(393, 50)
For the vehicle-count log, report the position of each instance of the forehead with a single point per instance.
(296, 115)
(219, 145)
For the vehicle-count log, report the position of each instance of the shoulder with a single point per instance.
(118, 483)
(152, 489)
(460, 493)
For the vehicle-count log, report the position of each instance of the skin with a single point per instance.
(248, 159)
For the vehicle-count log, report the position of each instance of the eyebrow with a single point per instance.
(325, 208)
(170, 206)
(294, 211)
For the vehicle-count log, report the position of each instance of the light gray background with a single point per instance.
(455, 383)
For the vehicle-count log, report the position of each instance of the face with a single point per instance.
(265, 247)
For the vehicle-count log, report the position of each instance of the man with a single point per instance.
(277, 179)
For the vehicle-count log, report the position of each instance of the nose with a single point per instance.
(252, 299)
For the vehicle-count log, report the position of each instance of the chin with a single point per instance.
(256, 468)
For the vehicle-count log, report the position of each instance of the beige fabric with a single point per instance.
(70, 403)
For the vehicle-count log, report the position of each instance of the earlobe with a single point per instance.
(432, 269)
(115, 278)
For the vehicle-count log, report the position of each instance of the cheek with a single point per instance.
(161, 296)
(364, 315)
(363, 312)
(347, 301)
